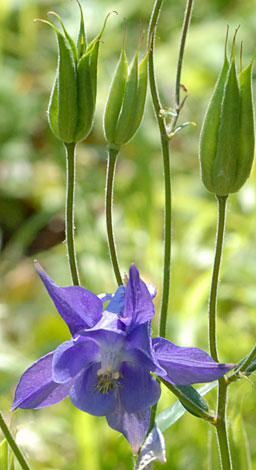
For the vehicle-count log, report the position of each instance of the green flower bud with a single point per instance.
(126, 101)
(227, 138)
(73, 97)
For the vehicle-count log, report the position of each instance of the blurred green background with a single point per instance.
(32, 192)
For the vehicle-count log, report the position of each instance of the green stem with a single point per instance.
(69, 218)
(222, 204)
(112, 158)
(165, 143)
(17, 452)
(152, 418)
(166, 168)
(165, 156)
(221, 426)
(185, 27)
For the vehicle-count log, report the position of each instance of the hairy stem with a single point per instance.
(69, 218)
(222, 204)
(221, 426)
(165, 144)
(165, 155)
(185, 27)
(166, 168)
(16, 450)
(112, 158)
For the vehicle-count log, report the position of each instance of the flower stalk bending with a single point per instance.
(69, 216)
(112, 157)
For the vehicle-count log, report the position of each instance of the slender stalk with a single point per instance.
(165, 156)
(222, 204)
(69, 217)
(221, 426)
(185, 27)
(152, 418)
(166, 168)
(112, 158)
(165, 145)
(16, 450)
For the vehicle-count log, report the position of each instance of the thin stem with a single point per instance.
(164, 143)
(69, 218)
(165, 156)
(17, 452)
(166, 168)
(152, 418)
(221, 426)
(112, 158)
(185, 27)
(222, 204)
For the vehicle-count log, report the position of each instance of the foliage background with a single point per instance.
(32, 176)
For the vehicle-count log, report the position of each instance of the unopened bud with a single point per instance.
(227, 137)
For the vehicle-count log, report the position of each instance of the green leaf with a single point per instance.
(173, 413)
(4, 455)
(193, 395)
(252, 366)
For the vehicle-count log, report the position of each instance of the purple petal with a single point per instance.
(78, 307)
(105, 297)
(116, 304)
(36, 388)
(139, 389)
(139, 307)
(132, 425)
(139, 344)
(108, 330)
(152, 449)
(71, 357)
(185, 366)
(84, 396)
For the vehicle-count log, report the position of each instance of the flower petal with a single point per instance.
(185, 366)
(132, 425)
(84, 396)
(139, 344)
(152, 449)
(78, 307)
(139, 389)
(108, 330)
(139, 307)
(116, 304)
(71, 357)
(36, 388)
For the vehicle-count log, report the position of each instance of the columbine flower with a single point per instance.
(106, 366)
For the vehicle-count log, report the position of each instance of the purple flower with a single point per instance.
(106, 366)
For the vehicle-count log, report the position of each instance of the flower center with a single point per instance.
(108, 374)
(107, 381)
